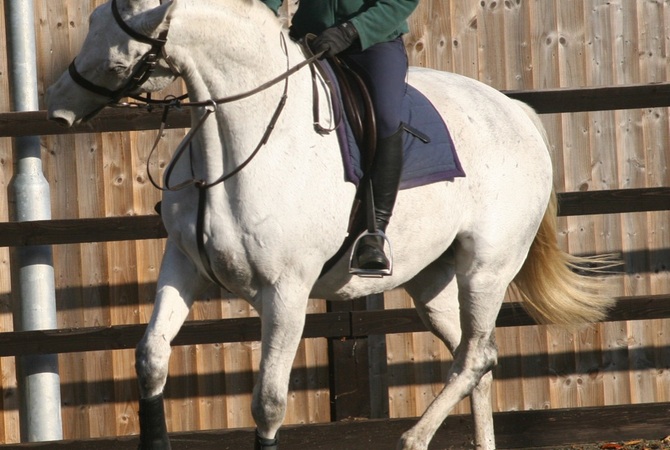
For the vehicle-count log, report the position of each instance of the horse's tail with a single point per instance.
(557, 287)
(560, 288)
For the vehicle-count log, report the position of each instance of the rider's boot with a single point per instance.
(385, 174)
(153, 431)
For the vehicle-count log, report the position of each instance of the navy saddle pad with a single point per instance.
(424, 162)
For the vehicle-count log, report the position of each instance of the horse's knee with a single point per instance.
(151, 364)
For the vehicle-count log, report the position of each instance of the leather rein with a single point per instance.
(141, 74)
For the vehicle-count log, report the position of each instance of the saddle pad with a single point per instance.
(424, 162)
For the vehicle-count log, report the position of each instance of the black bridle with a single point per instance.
(141, 72)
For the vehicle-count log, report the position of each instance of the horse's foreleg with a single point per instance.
(178, 284)
(474, 358)
(283, 318)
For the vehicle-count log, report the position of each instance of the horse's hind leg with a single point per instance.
(437, 300)
(178, 284)
(282, 308)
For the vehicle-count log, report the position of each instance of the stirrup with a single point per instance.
(370, 273)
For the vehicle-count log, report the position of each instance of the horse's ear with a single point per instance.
(157, 19)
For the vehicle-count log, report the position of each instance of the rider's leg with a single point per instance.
(384, 69)
(386, 170)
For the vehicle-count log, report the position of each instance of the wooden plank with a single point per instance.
(406, 320)
(107, 229)
(631, 159)
(653, 19)
(463, 18)
(35, 123)
(597, 98)
(349, 369)
(603, 52)
(116, 337)
(545, 101)
(68, 231)
(399, 353)
(311, 399)
(514, 430)
(331, 325)
(492, 36)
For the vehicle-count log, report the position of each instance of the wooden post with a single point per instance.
(358, 386)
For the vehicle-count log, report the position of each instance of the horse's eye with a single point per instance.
(117, 68)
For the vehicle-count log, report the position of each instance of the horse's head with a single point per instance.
(121, 55)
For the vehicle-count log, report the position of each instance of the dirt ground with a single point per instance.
(641, 444)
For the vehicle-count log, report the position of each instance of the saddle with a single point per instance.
(356, 102)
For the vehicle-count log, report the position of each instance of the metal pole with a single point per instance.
(38, 379)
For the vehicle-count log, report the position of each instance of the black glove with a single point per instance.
(335, 39)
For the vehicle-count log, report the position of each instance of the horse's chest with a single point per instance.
(230, 248)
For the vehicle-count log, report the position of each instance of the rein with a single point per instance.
(210, 107)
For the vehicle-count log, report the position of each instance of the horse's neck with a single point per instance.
(224, 47)
(227, 47)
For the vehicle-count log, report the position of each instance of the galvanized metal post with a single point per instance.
(38, 379)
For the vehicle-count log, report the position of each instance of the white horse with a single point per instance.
(266, 232)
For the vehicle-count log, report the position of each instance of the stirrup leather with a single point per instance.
(370, 273)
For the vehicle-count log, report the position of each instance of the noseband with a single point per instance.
(142, 70)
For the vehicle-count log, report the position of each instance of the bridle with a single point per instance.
(140, 73)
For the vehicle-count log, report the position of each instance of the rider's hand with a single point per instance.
(335, 39)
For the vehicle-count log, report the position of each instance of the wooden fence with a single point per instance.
(610, 166)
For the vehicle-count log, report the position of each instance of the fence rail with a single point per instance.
(337, 325)
(123, 228)
(545, 101)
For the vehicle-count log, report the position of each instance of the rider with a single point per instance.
(367, 34)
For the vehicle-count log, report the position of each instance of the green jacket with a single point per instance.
(375, 20)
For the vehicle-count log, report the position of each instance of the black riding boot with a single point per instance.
(153, 431)
(386, 170)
